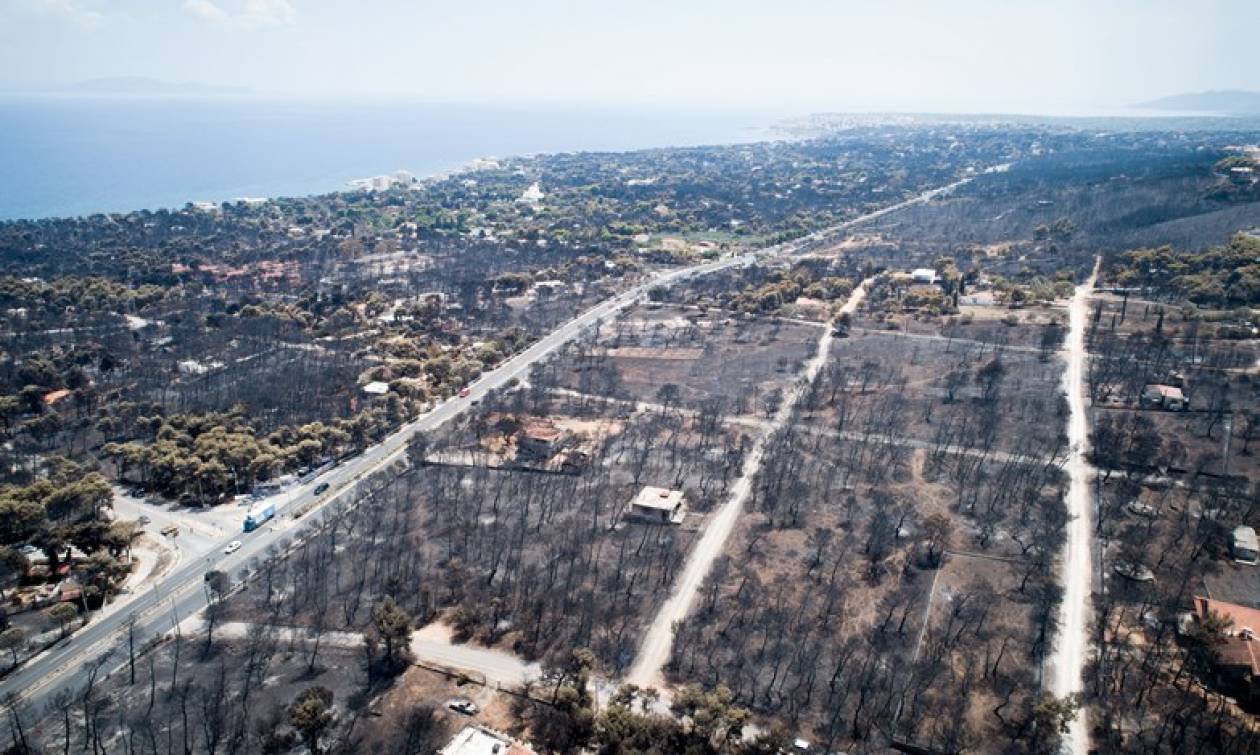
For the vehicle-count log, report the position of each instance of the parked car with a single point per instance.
(464, 392)
(462, 705)
(1134, 571)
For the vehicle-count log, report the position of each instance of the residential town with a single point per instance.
(761, 448)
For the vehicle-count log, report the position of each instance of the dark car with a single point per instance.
(321, 488)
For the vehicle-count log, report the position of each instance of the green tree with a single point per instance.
(568, 723)
(12, 640)
(311, 714)
(62, 615)
(1053, 717)
(393, 625)
(712, 716)
(620, 729)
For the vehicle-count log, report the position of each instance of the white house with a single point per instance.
(482, 740)
(376, 388)
(659, 505)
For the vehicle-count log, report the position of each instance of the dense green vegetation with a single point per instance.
(1222, 276)
(203, 458)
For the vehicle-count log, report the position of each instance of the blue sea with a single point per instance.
(66, 156)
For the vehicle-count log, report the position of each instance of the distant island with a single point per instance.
(149, 86)
(1225, 102)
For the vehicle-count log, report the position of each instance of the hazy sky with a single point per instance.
(946, 55)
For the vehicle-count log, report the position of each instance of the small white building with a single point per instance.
(194, 367)
(659, 505)
(481, 740)
(923, 275)
(1167, 396)
(1245, 545)
(376, 388)
(548, 289)
(532, 195)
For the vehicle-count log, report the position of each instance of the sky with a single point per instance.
(1007, 56)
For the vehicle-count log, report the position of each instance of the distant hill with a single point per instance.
(145, 85)
(1230, 102)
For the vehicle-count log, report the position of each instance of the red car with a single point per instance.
(463, 392)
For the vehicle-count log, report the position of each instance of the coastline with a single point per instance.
(75, 157)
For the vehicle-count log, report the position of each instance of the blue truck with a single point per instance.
(258, 515)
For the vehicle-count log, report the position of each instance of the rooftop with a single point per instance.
(1240, 651)
(1164, 391)
(1243, 620)
(660, 499)
(53, 397)
(543, 430)
(479, 740)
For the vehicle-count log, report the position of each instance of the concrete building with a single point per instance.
(1245, 546)
(481, 740)
(539, 439)
(548, 289)
(193, 368)
(1237, 658)
(1167, 396)
(53, 397)
(659, 505)
(376, 388)
(924, 275)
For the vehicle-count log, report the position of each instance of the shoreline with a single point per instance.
(71, 159)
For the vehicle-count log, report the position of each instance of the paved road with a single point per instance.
(181, 594)
(1067, 659)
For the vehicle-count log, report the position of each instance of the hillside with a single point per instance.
(1228, 102)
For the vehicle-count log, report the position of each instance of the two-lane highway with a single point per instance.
(182, 594)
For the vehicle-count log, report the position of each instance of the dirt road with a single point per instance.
(654, 652)
(1071, 646)
(430, 645)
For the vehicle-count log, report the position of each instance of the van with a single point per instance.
(1245, 547)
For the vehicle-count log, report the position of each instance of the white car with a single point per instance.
(232, 547)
